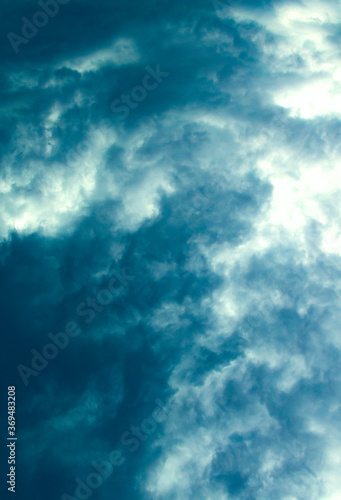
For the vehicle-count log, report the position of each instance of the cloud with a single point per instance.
(122, 52)
(220, 193)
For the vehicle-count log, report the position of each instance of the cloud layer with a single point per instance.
(218, 189)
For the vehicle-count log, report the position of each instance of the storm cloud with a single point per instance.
(195, 149)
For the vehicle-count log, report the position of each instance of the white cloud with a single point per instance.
(122, 52)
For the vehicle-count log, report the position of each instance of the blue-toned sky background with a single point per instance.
(184, 157)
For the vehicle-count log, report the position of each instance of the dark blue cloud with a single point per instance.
(170, 234)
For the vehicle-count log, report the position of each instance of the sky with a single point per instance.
(170, 248)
